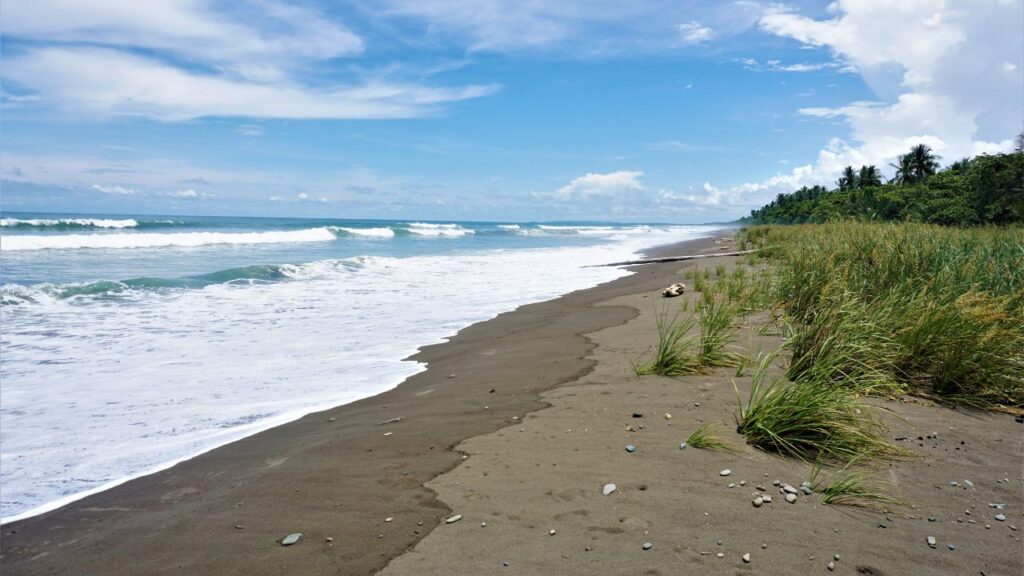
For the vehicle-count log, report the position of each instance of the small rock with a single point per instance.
(291, 539)
(835, 557)
(776, 482)
(331, 419)
(453, 519)
(328, 539)
(790, 498)
(483, 524)
(767, 499)
(648, 545)
(831, 566)
(931, 519)
(682, 445)
(630, 448)
(668, 416)
(764, 545)
(720, 555)
(746, 558)
(504, 563)
(788, 489)
(758, 502)
(1000, 517)
(743, 482)
(637, 415)
(930, 540)
(608, 489)
(388, 519)
(551, 532)
(806, 490)
(731, 485)
(725, 472)
(951, 546)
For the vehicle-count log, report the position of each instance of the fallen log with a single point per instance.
(674, 258)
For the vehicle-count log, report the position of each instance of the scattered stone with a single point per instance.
(835, 557)
(720, 555)
(608, 489)
(997, 506)
(483, 524)
(331, 419)
(682, 445)
(759, 487)
(788, 489)
(504, 563)
(790, 498)
(388, 519)
(725, 472)
(758, 502)
(291, 539)
(668, 416)
(831, 566)
(637, 415)
(776, 482)
(767, 499)
(239, 527)
(968, 483)
(931, 519)
(551, 532)
(697, 404)
(630, 448)
(328, 539)
(764, 545)
(453, 519)
(806, 490)
(951, 546)
(648, 545)
(931, 541)
(954, 483)
(731, 485)
(746, 558)
(1000, 517)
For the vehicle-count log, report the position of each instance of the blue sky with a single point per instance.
(677, 111)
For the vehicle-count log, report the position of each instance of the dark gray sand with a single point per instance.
(361, 489)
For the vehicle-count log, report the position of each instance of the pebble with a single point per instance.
(835, 557)
(776, 482)
(725, 472)
(790, 498)
(931, 541)
(483, 524)
(551, 532)
(746, 558)
(291, 539)
(328, 539)
(720, 555)
(504, 563)
(637, 415)
(630, 448)
(951, 546)
(388, 519)
(788, 489)
(743, 482)
(668, 416)
(682, 445)
(453, 519)
(608, 489)
(758, 502)
(767, 499)
(806, 490)
(1000, 517)
(731, 485)
(831, 566)
(648, 545)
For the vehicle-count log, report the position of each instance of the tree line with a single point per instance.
(986, 189)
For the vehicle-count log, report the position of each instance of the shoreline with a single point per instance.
(143, 504)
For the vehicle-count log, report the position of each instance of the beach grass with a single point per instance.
(703, 438)
(673, 356)
(854, 488)
(888, 309)
(811, 420)
(717, 329)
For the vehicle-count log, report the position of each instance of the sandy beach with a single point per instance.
(516, 426)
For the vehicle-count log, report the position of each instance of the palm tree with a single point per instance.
(904, 170)
(924, 162)
(960, 166)
(848, 181)
(869, 176)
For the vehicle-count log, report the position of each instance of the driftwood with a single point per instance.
(675, 258)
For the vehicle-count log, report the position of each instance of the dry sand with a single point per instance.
(336, 475)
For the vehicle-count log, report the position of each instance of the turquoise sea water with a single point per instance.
(131, 342)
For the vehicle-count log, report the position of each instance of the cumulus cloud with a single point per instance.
(695, 33)
(185, 194)
(939, 67)
(593, 184)
(114, 190)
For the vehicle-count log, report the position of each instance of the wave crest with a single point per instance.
(157, 240)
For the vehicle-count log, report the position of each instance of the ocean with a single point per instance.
(129, 343)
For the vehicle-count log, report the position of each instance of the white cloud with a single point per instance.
(593, 184)
(114, 190)
(939, 69)
(778, 66)
(185, 194)
(695, 33)
(109, 82)
(273, 33)
(302, 196)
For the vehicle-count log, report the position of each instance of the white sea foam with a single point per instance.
(84, 222)
(509, 226)
(444, 230)
(158, 240)
(366, 232)
(99, 391)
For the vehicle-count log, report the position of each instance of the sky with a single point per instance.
(644, 111)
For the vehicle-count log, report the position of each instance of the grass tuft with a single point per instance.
(855, 488)
(672, 357)
(716, 331)
(703, 439)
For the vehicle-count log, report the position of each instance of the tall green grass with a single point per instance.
(810, 419)
(717, 330)
(891, 308)
(673, 356)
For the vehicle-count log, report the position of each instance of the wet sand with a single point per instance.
(473, 439)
